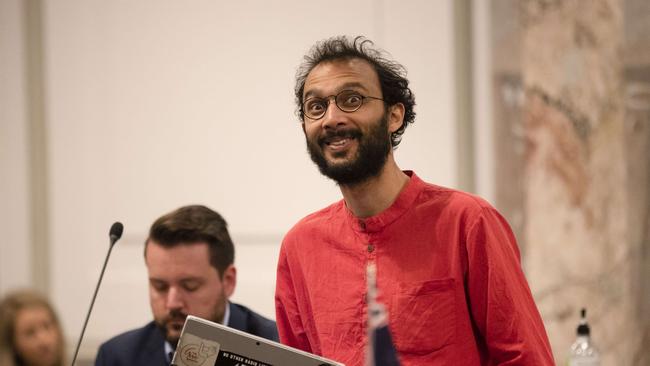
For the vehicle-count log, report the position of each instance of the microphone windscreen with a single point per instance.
(116, 231)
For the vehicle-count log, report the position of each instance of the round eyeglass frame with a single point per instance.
(336, 102)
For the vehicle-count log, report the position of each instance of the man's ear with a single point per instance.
(229, 280)
(395, 117)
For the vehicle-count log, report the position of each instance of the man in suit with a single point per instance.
(189, 257)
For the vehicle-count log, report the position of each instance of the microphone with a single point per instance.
(114, 234)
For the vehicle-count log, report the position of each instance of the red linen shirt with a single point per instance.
(448, 271)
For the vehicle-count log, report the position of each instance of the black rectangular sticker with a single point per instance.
(226, 358)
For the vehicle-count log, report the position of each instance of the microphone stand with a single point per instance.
(115, 234)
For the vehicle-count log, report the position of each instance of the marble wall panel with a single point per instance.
(572, 123)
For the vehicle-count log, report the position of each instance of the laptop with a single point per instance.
(204, 343)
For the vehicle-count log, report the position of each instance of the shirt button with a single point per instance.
(371, 248)
(362, 224)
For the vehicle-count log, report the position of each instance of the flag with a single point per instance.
(380, 349)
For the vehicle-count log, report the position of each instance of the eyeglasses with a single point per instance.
(348, 101)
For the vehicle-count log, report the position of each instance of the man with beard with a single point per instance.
(189, 257)
(447, 265)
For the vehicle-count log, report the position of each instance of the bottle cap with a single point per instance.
(583, 327)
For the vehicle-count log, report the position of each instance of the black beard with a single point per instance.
(372, 152)
(162, 325)
(217, 317)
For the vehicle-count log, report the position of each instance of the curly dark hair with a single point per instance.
(392, 75)
(195, 224)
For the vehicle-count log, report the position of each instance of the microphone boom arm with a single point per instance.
(115, 234)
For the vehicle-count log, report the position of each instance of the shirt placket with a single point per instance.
(370, 245)
(371, 258)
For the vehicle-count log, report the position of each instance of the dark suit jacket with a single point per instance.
(145, 346)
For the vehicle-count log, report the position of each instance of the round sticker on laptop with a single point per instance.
(195, 351)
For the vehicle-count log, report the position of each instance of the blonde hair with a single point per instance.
(9, 308)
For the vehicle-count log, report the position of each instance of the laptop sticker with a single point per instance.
(196, 351)
(232, 359)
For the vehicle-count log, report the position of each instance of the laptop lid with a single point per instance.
(204, 343)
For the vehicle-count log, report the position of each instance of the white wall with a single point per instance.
(15, 249)
(156, 104)
(482, 100)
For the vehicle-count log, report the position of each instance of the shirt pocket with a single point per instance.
(423, 319)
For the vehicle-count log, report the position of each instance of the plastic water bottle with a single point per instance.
(583, 350)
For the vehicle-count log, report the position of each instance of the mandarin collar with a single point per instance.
(402, 203)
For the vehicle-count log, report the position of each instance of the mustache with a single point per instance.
(175, 315)
(348, 132)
